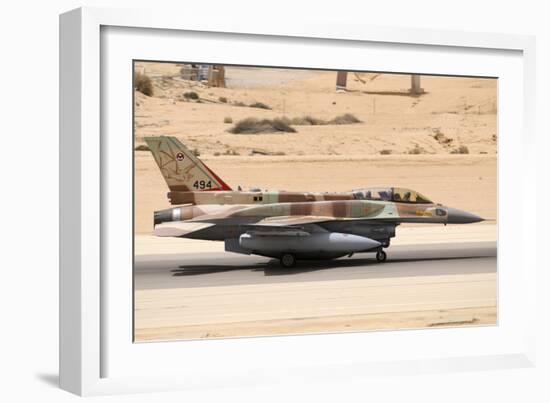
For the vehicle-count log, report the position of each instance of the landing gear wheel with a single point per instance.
(381, 256)
(288, 260)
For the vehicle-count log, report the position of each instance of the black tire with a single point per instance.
(381, 256)
(288, 260)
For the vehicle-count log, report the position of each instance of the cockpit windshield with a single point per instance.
(399, 195)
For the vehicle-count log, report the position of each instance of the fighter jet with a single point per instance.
(285, 225)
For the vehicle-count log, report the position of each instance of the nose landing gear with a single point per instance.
(381, 256)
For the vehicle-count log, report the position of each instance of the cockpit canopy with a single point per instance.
(399, 195)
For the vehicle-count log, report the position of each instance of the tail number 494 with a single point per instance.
(202, 185)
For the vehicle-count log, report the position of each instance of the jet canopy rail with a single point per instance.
(392, 194)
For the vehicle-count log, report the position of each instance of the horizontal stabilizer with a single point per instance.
(179, 228)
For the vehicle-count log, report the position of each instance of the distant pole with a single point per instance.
(220, 76)
(341, 80)
(416, 89)
(211, 76)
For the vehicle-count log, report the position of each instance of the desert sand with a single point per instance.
(461, 109)
(478, 316)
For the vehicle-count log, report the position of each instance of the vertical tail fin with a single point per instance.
(181, 170)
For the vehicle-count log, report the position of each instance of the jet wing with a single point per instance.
(306, 225)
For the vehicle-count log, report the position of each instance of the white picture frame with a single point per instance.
(96, 356)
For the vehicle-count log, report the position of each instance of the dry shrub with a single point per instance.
(256, 126)
(223, 100)
(307, 120)
(441, 138)
(228, 119)
(142, 147)
(259, 105)
(191, 95)
(345, 119)
(461, 150)
(385, 152)
(281, 126)
(258, 151)
(143, 84)
(417, 150)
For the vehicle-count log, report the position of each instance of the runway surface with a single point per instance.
(220, 294)
(220, 268)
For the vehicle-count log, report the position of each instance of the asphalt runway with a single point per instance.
(218, 294)
(219, 268)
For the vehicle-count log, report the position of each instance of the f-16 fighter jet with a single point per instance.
(285, 225)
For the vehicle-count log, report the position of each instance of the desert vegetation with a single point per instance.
(191, 95)
(417, 149)
(259, 105)
(441, 138)
(461, 150)
(142, 147)
(143, 84)
(258, 126)
(308, 120)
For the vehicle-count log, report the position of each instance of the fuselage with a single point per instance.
(230, 220)
(253, 197)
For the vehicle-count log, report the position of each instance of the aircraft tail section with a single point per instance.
(181, 169)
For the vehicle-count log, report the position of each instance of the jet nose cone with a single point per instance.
(456, 216)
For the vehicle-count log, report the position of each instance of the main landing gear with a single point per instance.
(288, 260)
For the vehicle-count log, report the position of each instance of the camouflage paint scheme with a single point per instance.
(305, 225)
